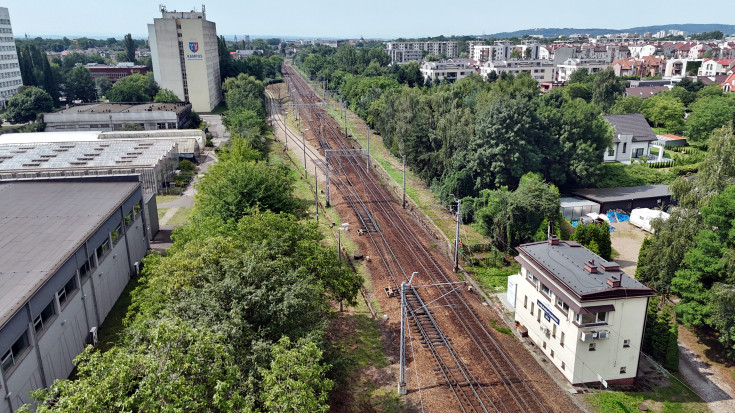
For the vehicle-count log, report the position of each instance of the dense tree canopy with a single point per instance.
(134, 88)
(166, 96)
(28, 104)
(79, 85)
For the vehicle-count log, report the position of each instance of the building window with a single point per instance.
(14, 354)
(553, 330)
(42, 321)
(103, 249)
(561, 340)
(592, 318)
(625, 146)
(532, 278)
(562, 305)
(115, 234)
(525, 302)
(592, 346)
(546, 290)
(538, 317)
(544, 345)
(611, 151)
(552, 354)
(626, 343)
(622, 370)
(531, 308)
(563, 365)
(67, 291)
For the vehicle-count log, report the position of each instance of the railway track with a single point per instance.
(499, 386)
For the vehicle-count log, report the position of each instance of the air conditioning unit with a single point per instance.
(603, 334)
(92, 337)
(587, 336)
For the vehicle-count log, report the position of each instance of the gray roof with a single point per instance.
(108, 107)
(645, 91)
(565, 264)
(623, 193)
(631, 124)
(42, 225)
(568, 202)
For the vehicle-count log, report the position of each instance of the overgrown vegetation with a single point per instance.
(234, 317)
(691, 254)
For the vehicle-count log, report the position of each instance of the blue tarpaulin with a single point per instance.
(617, 217)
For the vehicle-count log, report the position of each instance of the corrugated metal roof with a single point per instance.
(623, 193)
(42, 224)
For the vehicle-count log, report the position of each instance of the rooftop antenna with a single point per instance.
(203, 7)
(162, 7)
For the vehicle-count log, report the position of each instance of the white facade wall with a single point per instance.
(626, 149)
(566, 69)
(449, 72)
(185, 58)
(10, 79)
(448, 49)
(561, 342)
(541, 70)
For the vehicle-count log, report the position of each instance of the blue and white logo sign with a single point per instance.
(194, 48)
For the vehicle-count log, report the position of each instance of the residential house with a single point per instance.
(541, 70)
(447, 72)
(715, 67)
(569, 66)
(729, 84)
(633, 138)
(582, 312)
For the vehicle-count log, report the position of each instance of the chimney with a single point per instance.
(613, 281)
(590, 266)
(553, 240)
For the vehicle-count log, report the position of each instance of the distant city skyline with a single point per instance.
(327, 19)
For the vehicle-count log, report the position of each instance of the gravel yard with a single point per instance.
(627, 240)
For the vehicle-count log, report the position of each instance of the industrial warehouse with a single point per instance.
(67, 251)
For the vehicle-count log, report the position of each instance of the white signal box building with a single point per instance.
(585, 314)
(185, 57)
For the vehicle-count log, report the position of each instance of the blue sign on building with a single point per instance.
(548, 315)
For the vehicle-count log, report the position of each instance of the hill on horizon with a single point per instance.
(566, 31)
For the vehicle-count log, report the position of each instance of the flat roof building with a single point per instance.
(113, 73)
(581, 311)
(10, 78)
(114, 116)
(186, 58)
(627, 198)
(190, 142)
(67, 252)
(155, 161)
(448, 72)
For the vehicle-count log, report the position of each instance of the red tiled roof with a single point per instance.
(671, 138)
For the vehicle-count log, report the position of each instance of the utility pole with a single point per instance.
(456, 238)
(326, 156)
(368, 149)
(303, 144)
(345, 108)
(402, 380)
(316, 193)
(402, 355)
(403, 205)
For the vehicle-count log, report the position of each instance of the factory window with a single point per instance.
(592, 346)
(116, 233)
(15, 353)
(67, 291)
(103, 249)
(626, 343)
(42, 321)
(622, 370)
(86, 269)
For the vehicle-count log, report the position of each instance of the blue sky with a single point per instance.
(352, 19)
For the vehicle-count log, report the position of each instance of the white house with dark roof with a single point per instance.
(583, 312)
(633, 138)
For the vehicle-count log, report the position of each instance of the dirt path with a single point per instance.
(627, 240)
(711, 381)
